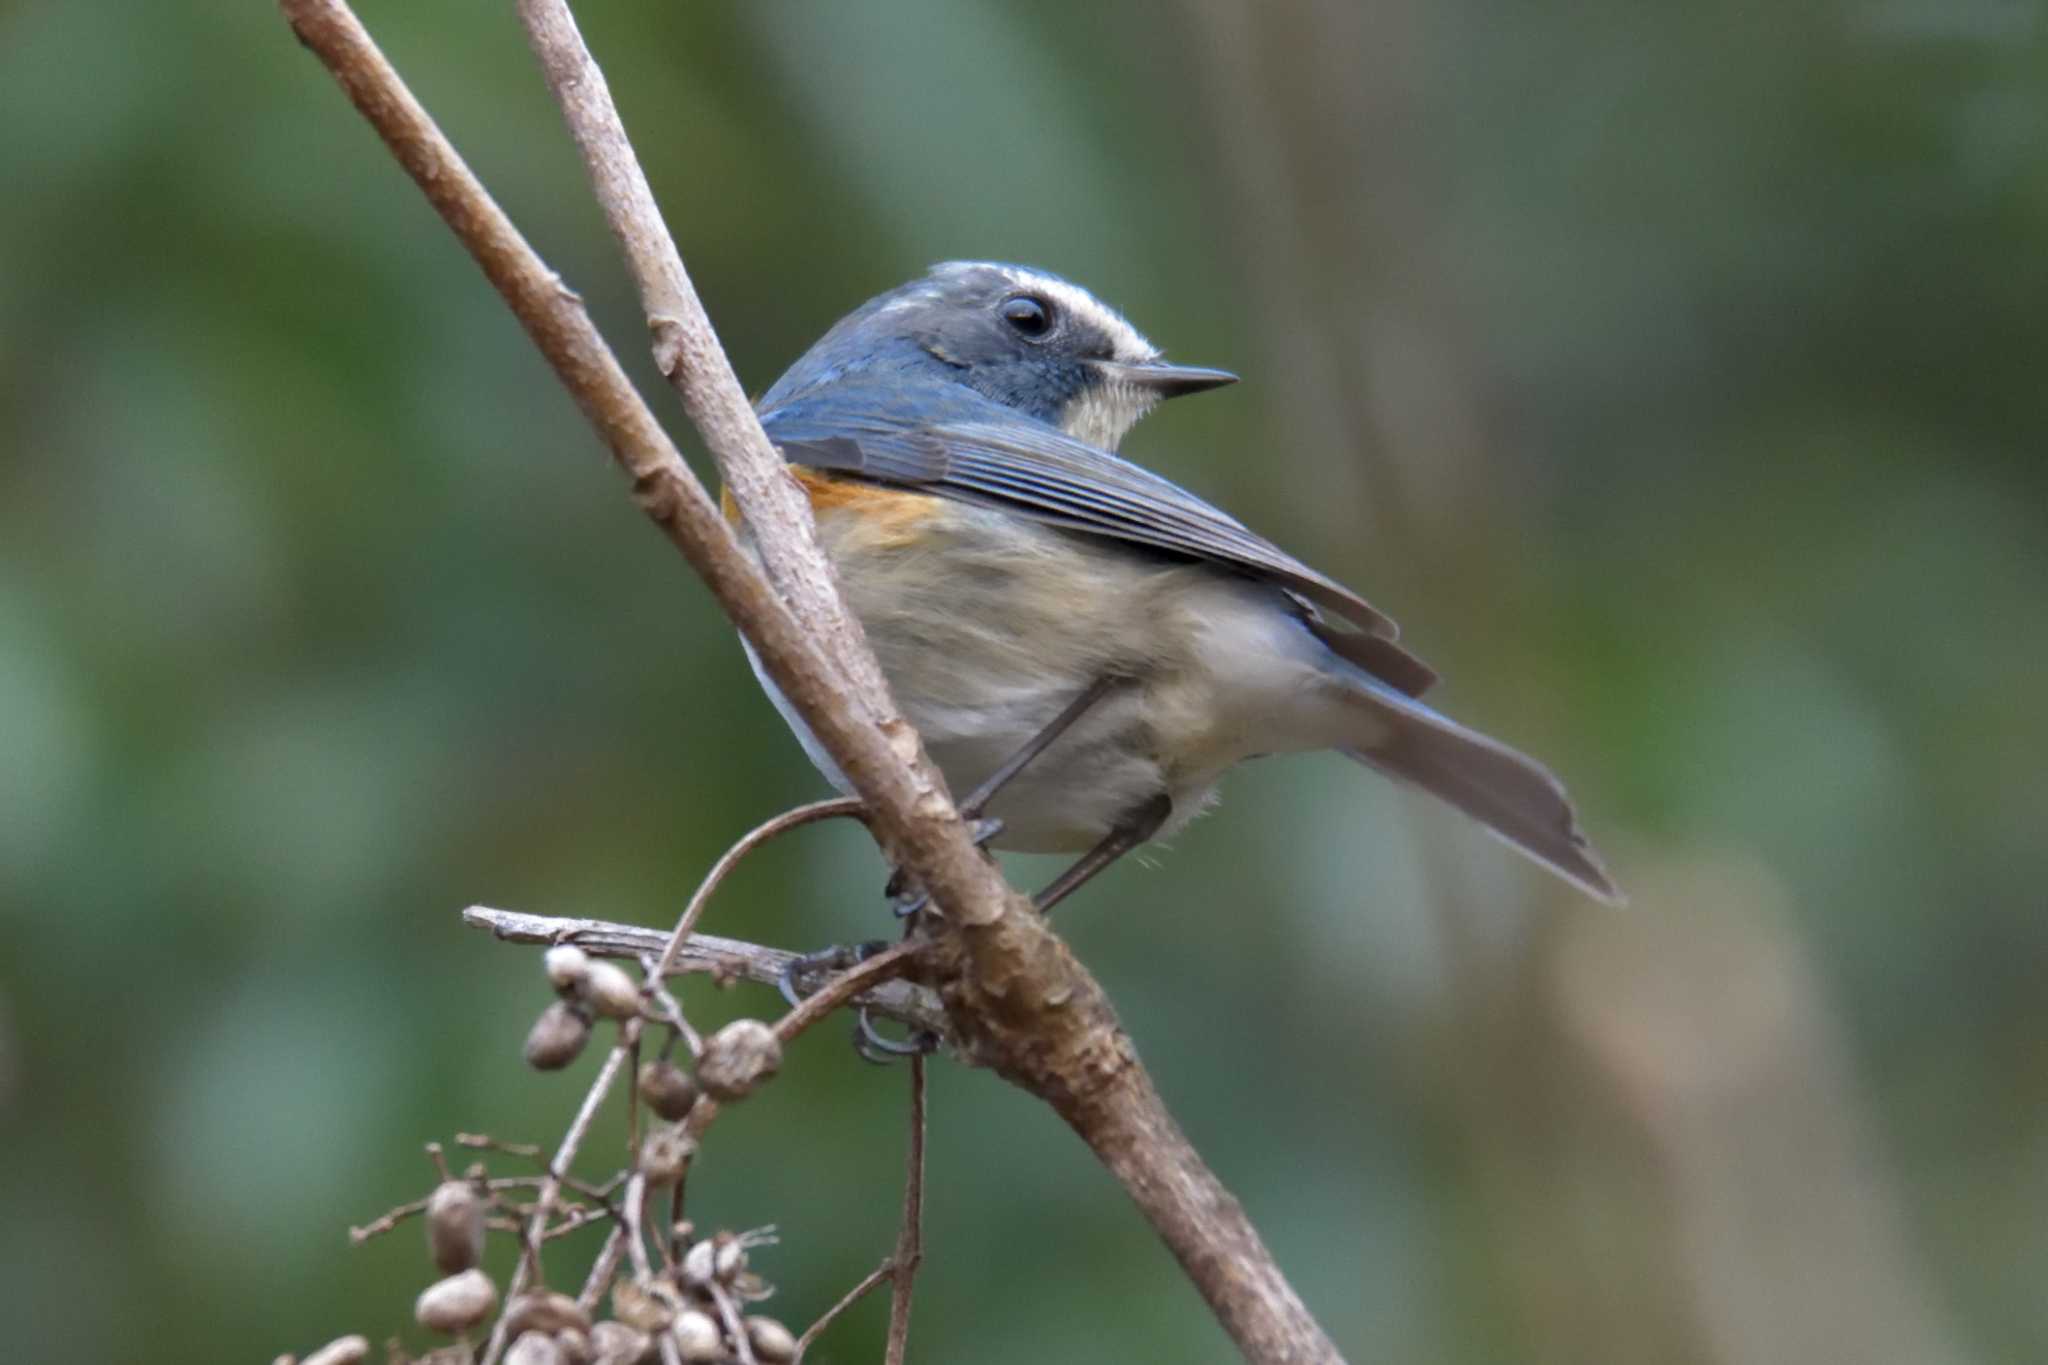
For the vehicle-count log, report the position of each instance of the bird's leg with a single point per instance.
(978, 799)
(868, 1041)
(1139, 824)
(971, 810)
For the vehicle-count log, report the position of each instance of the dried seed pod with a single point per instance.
(667, 1088)
(557, 1036)
(534, 1348)
(611, 992)
(728, 1258)
(614, 1343)
(457, 1303)
(455, 1226)
(696, 1336)
(639, 1309)
(575, 1344)
(773, 1343)
(566, 966)
(341, 1351)
(697, 1263)
(700, 1264)
(738, 1058)
(544, 1310)
(665, 1154)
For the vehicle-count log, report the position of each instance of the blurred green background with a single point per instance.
(1674, 373)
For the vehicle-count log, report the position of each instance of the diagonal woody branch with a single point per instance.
(687, 351)
(1018, 1000)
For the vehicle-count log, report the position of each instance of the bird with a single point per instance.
(1085, 647)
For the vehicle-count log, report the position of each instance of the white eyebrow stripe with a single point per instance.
(1127, 343)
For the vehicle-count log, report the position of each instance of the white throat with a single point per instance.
(1104, 413)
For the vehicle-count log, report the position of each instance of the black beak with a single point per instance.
(1170, 381)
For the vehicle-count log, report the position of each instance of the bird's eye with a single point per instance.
(1031, 317)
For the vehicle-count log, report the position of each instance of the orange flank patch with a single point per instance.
(889, 517)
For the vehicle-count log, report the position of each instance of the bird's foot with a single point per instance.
(799, 977)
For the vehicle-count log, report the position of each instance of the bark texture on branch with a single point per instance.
(1017, 1000)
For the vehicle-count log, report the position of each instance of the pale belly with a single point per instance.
(987, 627)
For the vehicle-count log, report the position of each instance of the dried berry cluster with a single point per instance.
(673, 1296)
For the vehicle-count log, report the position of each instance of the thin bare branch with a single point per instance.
(724, 957)
(484, 1142)
(910, 1235)
(735, 1330)
(634, 1206)
(667, 1006)
(527, 1271)
(412, 1208)
(603, 1269)
(880, 1275)
(760, 834)
(899, 1270)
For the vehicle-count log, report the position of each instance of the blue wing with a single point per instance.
(970, 449)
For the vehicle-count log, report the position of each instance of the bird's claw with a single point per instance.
(838, 958)
(876, 1047)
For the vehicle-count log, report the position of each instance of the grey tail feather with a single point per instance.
(1377, 655)
(1515, 797)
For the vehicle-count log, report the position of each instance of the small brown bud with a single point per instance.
(455, 1226)
(534, 1348)
(665, 1154)
(667, 1088)
(557, 1036)
(737, 1059)
(457, 1303)
(610, 991)
(772, 1342)
(341, 1351)
(544, 1310)
(614, 1343)
(696, 1336)
(566, 966)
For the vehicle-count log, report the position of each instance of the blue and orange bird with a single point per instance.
(1085, 647)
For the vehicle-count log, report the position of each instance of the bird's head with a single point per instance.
(1021, 337)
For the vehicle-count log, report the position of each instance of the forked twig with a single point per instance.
(881, 1274)
(837, 808)
(527, 1271)
(603, 1268)
(899, 1269)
